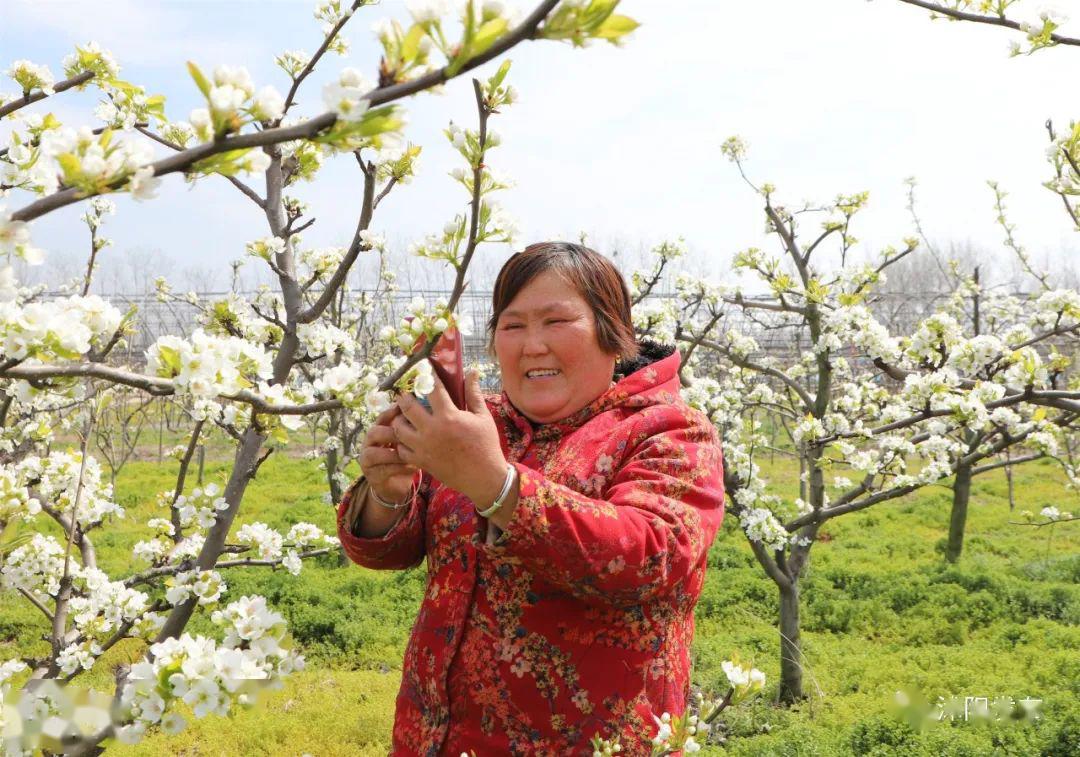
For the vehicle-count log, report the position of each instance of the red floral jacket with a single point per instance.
(578, 619)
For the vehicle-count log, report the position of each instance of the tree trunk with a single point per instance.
(1009, 479)
(958, 519)
(244, 466)
(791, 683)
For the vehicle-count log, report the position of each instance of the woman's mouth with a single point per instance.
(539, 374)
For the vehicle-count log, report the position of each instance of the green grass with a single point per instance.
(881, 611)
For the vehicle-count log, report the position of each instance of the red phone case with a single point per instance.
(448, 360)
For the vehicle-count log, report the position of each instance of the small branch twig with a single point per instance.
(980, 19)
(184, 160)
(37, 603)
(248, 191)
(25, 100)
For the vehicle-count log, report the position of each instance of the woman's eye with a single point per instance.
(511, 326)
(557, 320)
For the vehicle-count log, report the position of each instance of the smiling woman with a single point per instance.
(556, 344)
(565, 525)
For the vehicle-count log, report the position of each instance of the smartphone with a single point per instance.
(448, 360)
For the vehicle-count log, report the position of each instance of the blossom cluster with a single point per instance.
(26, 166)
(206, 365)
(96, 162)
(206, 586)
(581, 22)
(493, 224)
(30, 76)
(99, 609)
(347, 97)
(232, 102)
(15, 499)
(208, 676)
(90, 57)
(58, 329)
(35, 567)
(196, 513)
(15, 240)
(58, 482)
(406, 53)
(235, 315)
(422, 323)
(270, 544)
(357, 386)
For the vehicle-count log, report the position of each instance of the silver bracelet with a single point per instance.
(511, 471)
(390, 505)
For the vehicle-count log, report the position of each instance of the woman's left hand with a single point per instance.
(460, 448)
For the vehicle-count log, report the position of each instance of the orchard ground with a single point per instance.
(882, 612)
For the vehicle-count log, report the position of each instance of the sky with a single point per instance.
(619, 144)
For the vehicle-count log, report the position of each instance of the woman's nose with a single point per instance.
(534, 343)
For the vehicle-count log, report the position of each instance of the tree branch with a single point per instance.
(248, 191)
(763, 369)
(37, 603)
(25, 100)
(157, 386)
(174, 514)
(315, 59)
(979, 19)
(742, 302)
(1004, 463)
(304, 130)
(474, 217)
(367, 208)
(887, 494)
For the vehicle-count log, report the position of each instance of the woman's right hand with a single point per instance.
(386, 473)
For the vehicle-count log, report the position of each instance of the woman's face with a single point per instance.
(549, 357)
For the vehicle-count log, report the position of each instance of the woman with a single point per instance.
(565, 525)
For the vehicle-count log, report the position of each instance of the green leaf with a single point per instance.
(487, 35)
(410, 46)
(124, 86)
(495, 81)
(170, 360)
(200, 80)
(616, 26)
(70, 165)
(596, 13)
(469, 24)
(375, 121)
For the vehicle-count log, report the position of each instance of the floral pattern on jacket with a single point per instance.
(578, 619)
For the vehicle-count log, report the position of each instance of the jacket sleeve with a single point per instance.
(400, 547)
(650, 530)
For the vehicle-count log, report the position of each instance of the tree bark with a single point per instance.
(244, 466)
(958, 519)
(791, 674)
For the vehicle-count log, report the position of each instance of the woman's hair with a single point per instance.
(594, 277)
